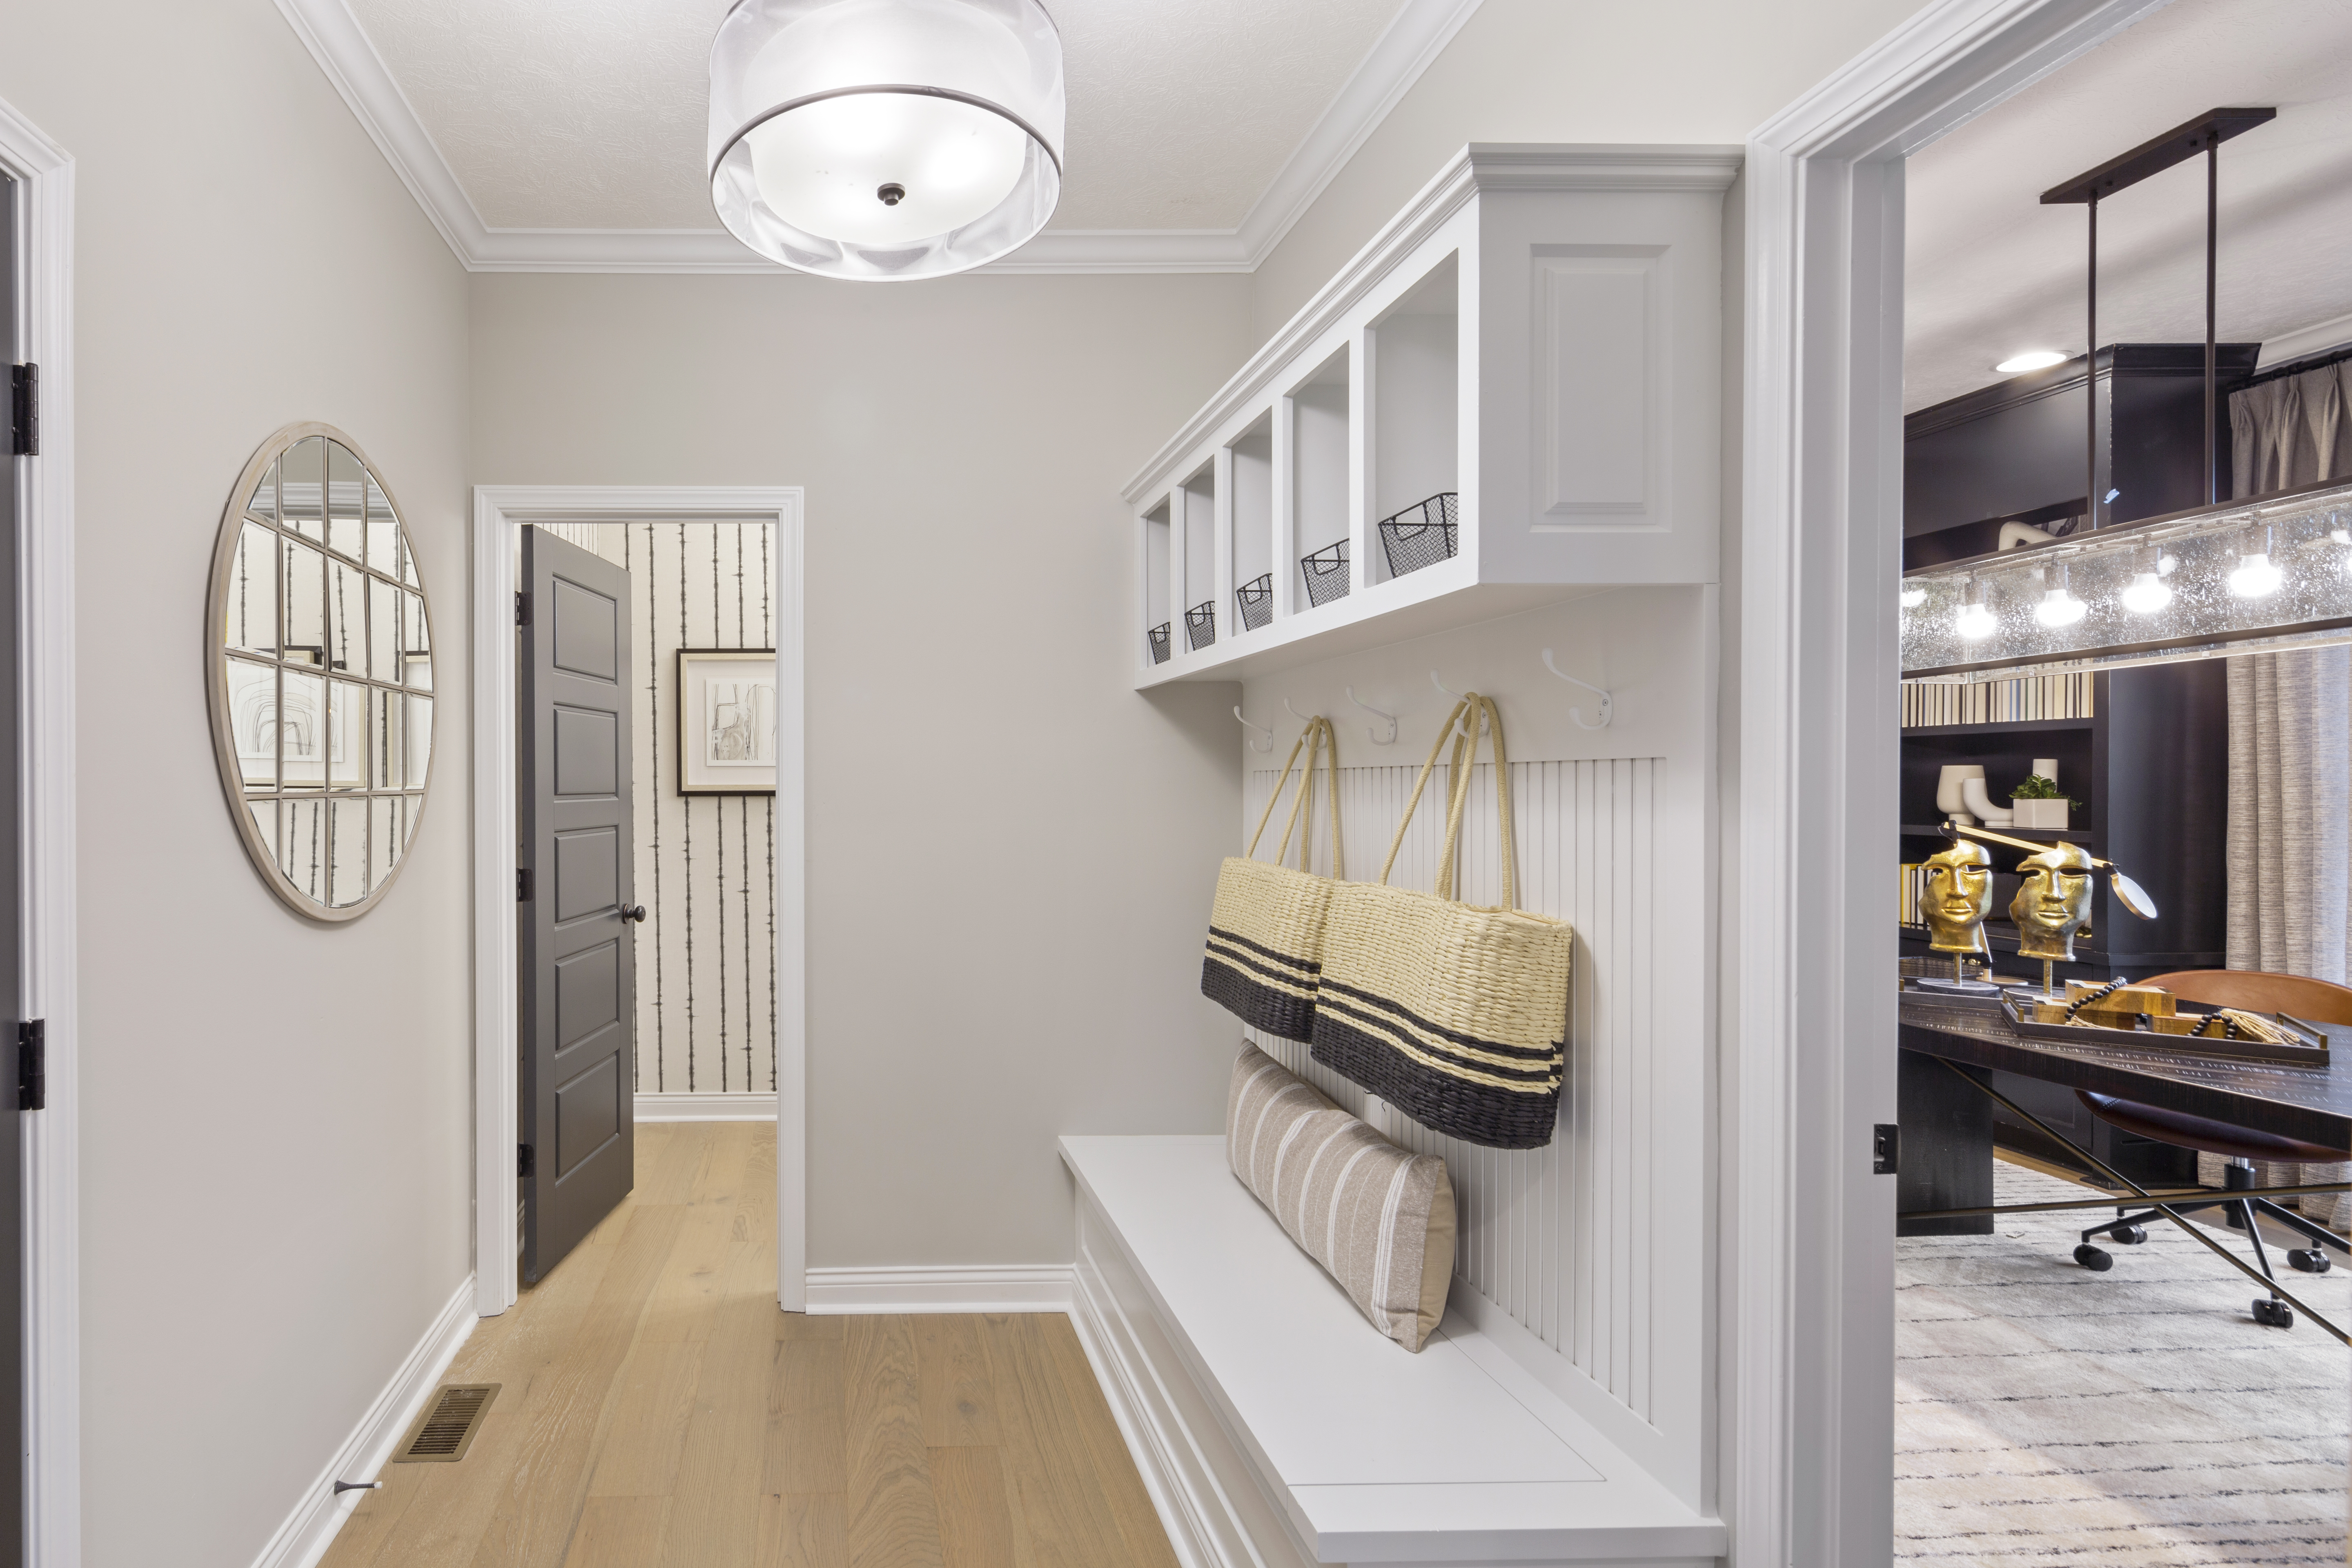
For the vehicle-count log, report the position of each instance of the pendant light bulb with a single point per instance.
(1912, 597)
(1974, 622)
(2148, 594)
(2059, 608)
(2255, 576)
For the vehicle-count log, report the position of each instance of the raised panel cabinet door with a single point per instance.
(575, 947)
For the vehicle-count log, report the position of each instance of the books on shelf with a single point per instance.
(2018, 700)
(1915, 888)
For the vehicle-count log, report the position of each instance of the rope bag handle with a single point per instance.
(1462, 728)
(1320, 739)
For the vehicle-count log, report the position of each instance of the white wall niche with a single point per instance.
(1199, 617)
(1159, 588)
(1250, 464)
(1583, 287)
(1415, 414)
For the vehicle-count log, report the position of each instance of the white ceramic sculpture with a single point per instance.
(1949, 800)
(1974, 794)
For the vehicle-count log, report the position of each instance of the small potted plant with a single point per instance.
(2038, 804)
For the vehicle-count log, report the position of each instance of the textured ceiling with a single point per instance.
(591, 114)
(1990, 271)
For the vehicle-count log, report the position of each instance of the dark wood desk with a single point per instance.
(1948, 1126)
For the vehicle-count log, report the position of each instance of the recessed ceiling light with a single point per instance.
(2032, 359)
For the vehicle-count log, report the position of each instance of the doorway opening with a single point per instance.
(698, 1009)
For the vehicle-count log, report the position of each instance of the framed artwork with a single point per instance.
(726, 704)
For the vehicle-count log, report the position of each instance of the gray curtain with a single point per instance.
(2290, 838)
(2292, 431)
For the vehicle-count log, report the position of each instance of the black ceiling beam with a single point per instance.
(2177, 145)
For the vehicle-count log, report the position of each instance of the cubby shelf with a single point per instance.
(1536, 335)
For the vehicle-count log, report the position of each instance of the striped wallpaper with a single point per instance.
(706, 998)
(1561, 1238)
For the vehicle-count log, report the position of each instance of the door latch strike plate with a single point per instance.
(522, 1159)
(24, 410)
(1885, 1149)
(522, 884)
(522, 608)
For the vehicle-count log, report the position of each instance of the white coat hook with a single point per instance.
(1302, 718)
(1377, 738)
(1481, 721)
(1607, 702)
(1258, 729)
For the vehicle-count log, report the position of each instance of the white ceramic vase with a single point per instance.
(1974, 796)
(1949, 800)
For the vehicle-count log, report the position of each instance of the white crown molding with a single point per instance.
(983, 1287)
(2317, 338)
(696, 1105)
(307, 1532)
(1419, 33)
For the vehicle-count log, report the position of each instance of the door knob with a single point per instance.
(633, 913)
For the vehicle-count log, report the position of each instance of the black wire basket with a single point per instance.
(1420, 535)
(1326, 573)
(1256, 599)
(1158, 637)
(1201, 626)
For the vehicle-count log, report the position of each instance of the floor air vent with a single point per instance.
(446, 1430)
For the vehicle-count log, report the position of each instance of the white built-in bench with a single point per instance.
(1276, 1428)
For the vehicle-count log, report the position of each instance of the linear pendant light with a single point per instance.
(886, 140)
(2258, 573)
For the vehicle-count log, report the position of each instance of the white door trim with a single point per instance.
(1809, 1239)
(499, 510)
(52, 1303)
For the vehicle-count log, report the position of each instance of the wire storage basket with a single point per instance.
(1201, 626)
(1421, 535)
(1158, 637)
(1255, 601)
(1326, 573)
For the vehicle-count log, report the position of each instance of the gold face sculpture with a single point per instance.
(1959, 896)
(2053, 902)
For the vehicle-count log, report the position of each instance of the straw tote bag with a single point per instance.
(1454, 1015)
(1266, 928)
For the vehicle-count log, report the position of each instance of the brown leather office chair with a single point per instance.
(2255, 991)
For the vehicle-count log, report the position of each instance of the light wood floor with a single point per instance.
(658, 1410)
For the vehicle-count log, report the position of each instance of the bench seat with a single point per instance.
(1276, 1428)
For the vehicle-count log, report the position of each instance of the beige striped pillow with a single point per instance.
(1379, 1220)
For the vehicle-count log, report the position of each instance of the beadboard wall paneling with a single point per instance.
(1588, 1260)
(1558, 1238)
(706, 1019)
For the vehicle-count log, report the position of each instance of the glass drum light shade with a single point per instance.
(886, 139)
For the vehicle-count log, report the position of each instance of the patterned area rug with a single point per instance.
(2047, 1415)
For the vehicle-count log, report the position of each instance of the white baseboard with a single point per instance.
(705, 1107)
(303, 1538)
(986, 1287)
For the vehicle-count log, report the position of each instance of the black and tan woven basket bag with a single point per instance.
(1457, 1016)
(1266, 928)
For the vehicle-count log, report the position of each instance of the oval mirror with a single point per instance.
(319, 668)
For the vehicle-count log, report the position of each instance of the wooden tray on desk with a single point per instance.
(2309, 1048)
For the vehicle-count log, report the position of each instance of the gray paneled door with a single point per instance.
(575, 948)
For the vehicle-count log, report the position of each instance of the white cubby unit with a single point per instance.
(1521, 375)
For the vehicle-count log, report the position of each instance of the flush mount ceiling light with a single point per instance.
(886, 139)
(2032, 359)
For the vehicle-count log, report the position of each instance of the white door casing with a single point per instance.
(499, 510)
(1809, 1245)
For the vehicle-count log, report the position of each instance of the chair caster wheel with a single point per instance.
(2129, 1236)
(2273, 1314)
(2095, 1260)
(2308, 1260)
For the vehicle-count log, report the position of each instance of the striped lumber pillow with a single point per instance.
(1377, 1219)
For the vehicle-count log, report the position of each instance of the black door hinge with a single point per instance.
(33, 1065)
(522, 1159)
(1885, 1149)
(24, 410)
(522, 884)
(522, 608)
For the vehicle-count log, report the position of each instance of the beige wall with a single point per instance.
(1572, 71)
(1011, 852)
(275, 1166)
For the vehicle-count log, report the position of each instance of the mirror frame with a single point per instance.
(232, 775)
